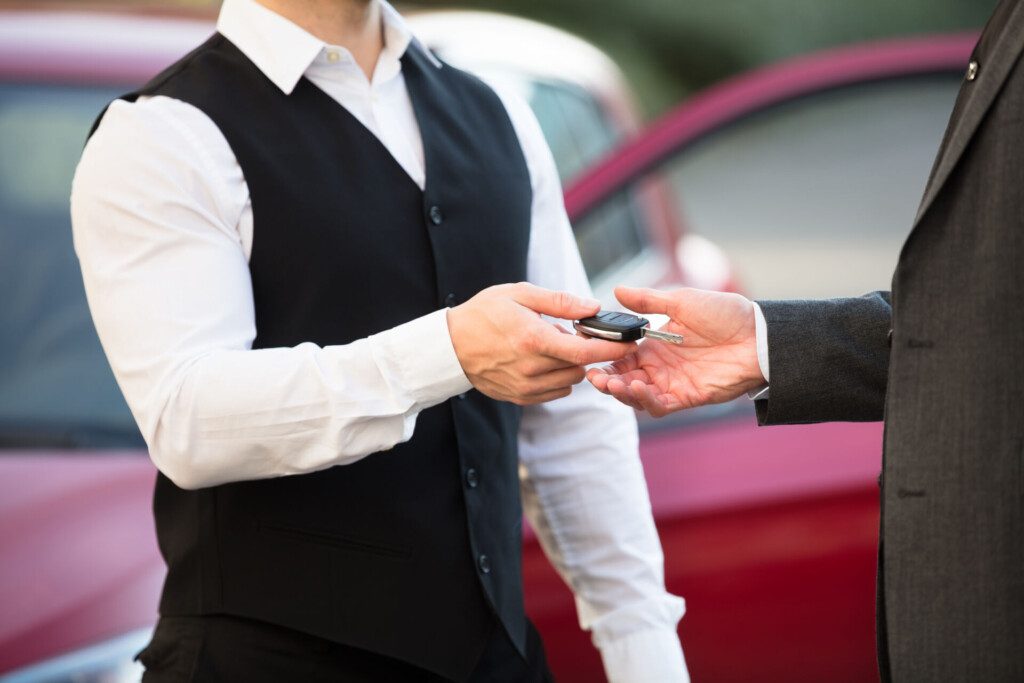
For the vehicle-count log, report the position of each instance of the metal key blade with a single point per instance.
(663, 336)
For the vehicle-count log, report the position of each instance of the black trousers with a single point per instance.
(223, 648)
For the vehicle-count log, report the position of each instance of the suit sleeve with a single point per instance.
(829, 360)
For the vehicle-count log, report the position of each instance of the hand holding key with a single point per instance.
(716, 363)
(511, 354)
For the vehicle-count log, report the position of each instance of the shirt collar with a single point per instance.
(284, 51)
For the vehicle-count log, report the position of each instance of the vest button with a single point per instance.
(449, 300)
(472, 478)
(484, 563)
(436, 217)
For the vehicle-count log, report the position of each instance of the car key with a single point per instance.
(617, 326)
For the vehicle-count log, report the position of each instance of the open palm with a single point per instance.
(716, 363)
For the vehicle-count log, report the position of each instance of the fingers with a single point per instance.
(556, 304)
(635, 392)
(545, 397)
(550, 386)
(599, 377)
(657, 404)
(643, 300)
(558, 379)
(620, 390)
(624, 366)
(537, 366)
(580, 350)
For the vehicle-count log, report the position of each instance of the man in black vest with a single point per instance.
(940, 357)
(298, 243)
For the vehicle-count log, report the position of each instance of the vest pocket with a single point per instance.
(336, 540)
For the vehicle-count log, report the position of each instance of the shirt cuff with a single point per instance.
(653, 656)
(421, 359)
(761, 336)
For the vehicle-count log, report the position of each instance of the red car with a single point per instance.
(768, 533)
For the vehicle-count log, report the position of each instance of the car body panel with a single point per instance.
(80, 560)
(768, 534)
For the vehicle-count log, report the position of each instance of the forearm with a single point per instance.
(235, 415)
(829, 359)
(585, 495)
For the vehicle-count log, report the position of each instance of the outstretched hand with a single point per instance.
(716, 363)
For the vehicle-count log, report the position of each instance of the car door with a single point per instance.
(807, 175)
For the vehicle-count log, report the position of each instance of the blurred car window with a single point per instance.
(579, 134)
(56, 388)
(610, 236)
(574, 124)
(814, 197)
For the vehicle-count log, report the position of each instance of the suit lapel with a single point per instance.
(991, 76)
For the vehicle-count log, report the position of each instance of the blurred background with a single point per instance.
(669, 48)
(774, 147)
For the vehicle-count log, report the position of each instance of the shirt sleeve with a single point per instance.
(829, 359)
(155, 222)
(761, 339)
(583, 485)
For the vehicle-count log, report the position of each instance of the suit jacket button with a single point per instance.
(484, 563)
(436, 217)
(472, 478)
(972, 70)
(449, 300)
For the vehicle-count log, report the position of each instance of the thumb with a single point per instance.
(555, 304)
(643, 300)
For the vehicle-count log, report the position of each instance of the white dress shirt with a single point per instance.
(163, 228)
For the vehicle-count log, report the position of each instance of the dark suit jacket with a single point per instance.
(948, 380)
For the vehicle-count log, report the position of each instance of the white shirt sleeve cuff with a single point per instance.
(421, 359)
(652, 656)
(761, 335)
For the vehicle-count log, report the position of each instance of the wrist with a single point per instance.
(457, 330)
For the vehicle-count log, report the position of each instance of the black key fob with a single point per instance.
(613, 325)
(618, 326)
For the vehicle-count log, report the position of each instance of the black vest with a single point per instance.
(402, 553)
